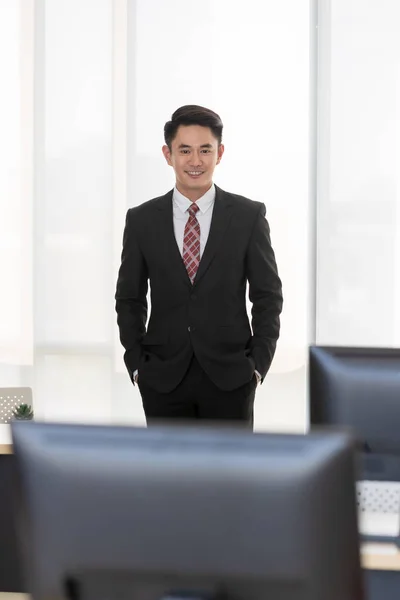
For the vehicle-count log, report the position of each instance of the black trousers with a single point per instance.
(196, 398)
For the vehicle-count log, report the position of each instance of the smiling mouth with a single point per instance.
(195, 173)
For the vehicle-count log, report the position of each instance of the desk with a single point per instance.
(381, 564)
(380, 557)
(11, 579)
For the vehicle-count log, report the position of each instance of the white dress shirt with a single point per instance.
(181, 205)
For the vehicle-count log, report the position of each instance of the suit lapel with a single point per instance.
(220, 220)
(167, 240)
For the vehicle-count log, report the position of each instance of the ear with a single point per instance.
(167, 154)
(221, 150)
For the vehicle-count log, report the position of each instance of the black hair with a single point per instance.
(192, 114)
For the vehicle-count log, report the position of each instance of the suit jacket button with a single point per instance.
(189, 329)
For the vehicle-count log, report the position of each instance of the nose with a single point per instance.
(196, 158)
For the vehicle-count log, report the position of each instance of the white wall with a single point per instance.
(16, 316)
(90, 88)
(358, 274)
(57, 312)
(73, 210)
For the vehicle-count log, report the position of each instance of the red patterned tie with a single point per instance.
(191, 243)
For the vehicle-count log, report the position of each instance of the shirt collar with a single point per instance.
(204, 203)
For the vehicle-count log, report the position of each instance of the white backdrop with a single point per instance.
(89, 91)
(16, 303)
(358, 275)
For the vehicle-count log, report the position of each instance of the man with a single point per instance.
(197, 246)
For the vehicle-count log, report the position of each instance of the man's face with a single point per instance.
(194, 155)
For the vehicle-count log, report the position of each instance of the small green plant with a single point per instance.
(23, 412)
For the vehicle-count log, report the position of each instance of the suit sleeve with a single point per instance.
(265, 293)
(131, 296)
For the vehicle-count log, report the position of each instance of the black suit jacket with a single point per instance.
(208, 318)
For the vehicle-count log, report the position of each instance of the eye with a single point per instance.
(206, 151)
(184, 151)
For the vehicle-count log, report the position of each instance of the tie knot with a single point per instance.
(193, 209)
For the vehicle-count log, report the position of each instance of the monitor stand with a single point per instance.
(380, 539)
(125, 586)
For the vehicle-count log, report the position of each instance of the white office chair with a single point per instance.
(378, 496)
(379, 507)
(10, 398)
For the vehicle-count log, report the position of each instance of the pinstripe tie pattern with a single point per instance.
(191, 243)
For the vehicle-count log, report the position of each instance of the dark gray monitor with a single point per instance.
(161, 513)
(360, 388)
